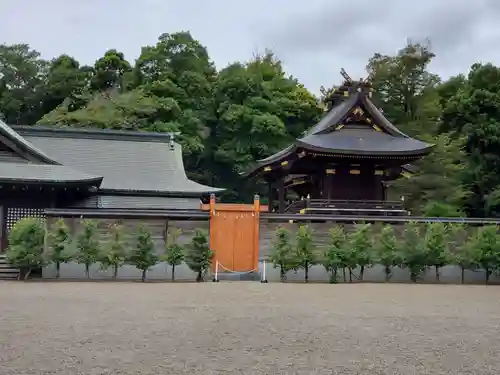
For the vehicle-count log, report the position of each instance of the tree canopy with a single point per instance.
(229, 118)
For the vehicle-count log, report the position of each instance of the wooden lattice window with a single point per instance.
(17, 213)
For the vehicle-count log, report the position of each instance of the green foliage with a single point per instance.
(406, 88)
(334, 256)
(282, 252)
(143, 256)
(486, 249)
(198, 255)
(115, 254)
(59, 242)
(305, 255)
(109, 71)
(26, 245)
(359, 247)
(436, 188)
(87, 245)
(474, 113)
(174, 252)
(386, 250)
(22, 73)
(260, 110)
(413, 251)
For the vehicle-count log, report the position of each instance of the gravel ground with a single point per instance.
(248, 328)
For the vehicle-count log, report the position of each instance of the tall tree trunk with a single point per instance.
(27, 273)
(87, 271)
(199, 277)
(488, 273)
(282, 275)
(333, 277)
(306, 272)
(343, 271)
(58, 270)
(143, 277)
(462, 274)
(173, 273)
(361, 272)
(437, 273)
(387, 273)
(413, 276)
(115, 271)
(350, 274)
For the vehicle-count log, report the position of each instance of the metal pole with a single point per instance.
(264, 279)
(216, 276)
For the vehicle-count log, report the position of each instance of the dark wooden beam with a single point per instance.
(281, 195)
(270, 196)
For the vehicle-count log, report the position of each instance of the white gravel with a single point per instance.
(248, 328)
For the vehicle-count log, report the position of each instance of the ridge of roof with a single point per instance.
(92, 133)
(18, 141)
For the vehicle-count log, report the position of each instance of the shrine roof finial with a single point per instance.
(348, 88)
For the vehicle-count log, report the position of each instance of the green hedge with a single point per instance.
(412, 246)
(32, 245)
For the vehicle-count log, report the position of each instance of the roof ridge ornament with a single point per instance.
(349, 87)
(171, 140)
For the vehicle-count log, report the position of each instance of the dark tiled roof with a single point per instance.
(128, 161)
(352, 139)
(362, 140)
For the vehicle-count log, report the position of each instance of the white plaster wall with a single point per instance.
(161, 271)
(448, 274)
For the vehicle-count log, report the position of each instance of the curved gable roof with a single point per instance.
(327, 137)
(129, 161)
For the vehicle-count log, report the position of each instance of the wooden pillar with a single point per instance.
(329, 186)
(320, 185)
(281, 195)
(384, 191)
(3, 228)
(270, 197)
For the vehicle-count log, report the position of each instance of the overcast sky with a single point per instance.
(314, 38)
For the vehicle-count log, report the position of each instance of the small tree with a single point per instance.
(174, 253)
(282, 253)
(26, 245)
(199, 256)
(464, 257)
(304, 251)
(115, 254)
(413, 254)
(87, 245)
(143, 256)
(59, 242)
(334, 256)
(461, 248)
(359, 249)
(386, 250)
(486, 252)
(436, 246)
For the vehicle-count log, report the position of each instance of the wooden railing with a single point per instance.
(347, 207)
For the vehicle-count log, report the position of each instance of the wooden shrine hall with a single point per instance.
(342, 165)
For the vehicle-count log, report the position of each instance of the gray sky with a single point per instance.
(314, 38)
